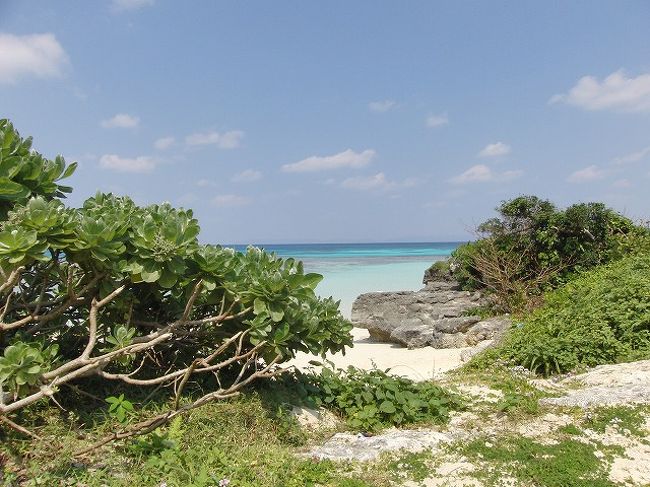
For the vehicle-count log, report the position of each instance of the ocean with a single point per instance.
(353, 269)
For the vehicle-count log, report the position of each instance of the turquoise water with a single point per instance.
(353, 269)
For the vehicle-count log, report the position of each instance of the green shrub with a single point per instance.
(127, 294)
(600, 317)
(25, 173)
(532, 245)
(373, 399)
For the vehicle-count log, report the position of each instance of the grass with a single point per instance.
(626, 419)
(569, 463)
(252, 441)
(520, 398)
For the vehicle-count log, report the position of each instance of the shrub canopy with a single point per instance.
(128, 293)
(601, 317)
(533, 244)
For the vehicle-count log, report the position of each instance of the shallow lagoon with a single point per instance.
(353, 269)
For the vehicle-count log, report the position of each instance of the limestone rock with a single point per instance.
(313, 419)
(349, 446)
(606, 385)
(439, 316)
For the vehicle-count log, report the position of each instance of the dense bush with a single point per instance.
(601, 317)
(25, 173)
(532, 245)
(374, 399)
(126, 293)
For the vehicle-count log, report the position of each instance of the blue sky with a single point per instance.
(342, 121)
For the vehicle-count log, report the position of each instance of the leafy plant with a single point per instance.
(23, 364)
(25, 173)
(567, 462)
(119, 408)
(532, 245)
(600, 317)
(373, 399)
(127, 293)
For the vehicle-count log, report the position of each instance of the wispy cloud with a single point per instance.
(113, 162)
(381, 106)
(124, 5)
(378, 181)
(481, 173)
(33, 55)
(347, 158)
(247, 176)
(230, 200)
(122, 121)
(225, 140)
(587, 174)
(633, 157)
(622, 183)
(434, 121)
(164, 143)
(616, 92)
(495, 150)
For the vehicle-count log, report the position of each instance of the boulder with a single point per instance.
(439, 315)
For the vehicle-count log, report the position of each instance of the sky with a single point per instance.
(339, 121)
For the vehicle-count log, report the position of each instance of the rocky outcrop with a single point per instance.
(438, 316)
(350, 446)
(607, 385)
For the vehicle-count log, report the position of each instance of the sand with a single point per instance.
(418, 364)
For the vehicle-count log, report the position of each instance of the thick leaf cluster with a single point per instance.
(539, 236)
(374, 399)
(78, 256)
(24, 172)
(601, 317)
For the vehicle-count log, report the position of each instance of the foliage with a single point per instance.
(25, 173)
(119, 407)
(126, 293)
(374, 399)
(240, 440)
(532, 244)
(627, 419)
(600, 317)
(569, 462)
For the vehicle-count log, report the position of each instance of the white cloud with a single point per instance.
(434, 121)
(495, 150)
(347, 158)
(38, 55)
(376, 182)
(616, 92)
(123, 5)
(230, 200)
(589, 173)
(633, 157)
(247, 176)
(164, 143)
(226, 140)
(381, 106)
(481, 173)
(142, 164)
(122, 121)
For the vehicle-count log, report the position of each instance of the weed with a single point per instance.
(569, 463)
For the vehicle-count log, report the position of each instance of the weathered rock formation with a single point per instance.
(439, 316)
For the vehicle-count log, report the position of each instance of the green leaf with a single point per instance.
(10, 190)
(387, 407)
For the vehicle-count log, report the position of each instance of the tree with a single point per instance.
(126, 293)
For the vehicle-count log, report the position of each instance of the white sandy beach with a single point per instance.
(418, 364)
